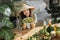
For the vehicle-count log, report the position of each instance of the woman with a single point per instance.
(24, 12)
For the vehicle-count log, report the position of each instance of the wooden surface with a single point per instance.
(32, 32)
(29, 33)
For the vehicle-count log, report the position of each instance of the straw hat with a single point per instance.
(22, 7)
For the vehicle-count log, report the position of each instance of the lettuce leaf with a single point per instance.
(6, 33)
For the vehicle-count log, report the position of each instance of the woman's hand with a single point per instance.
(24, 26)
(32, 25)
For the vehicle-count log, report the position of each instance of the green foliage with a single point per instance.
(2, 8)
(6, 22)
(41, 34)
(43, 31)
(28, 20)
(31, 38)
(6, 32)
(58, 32)
(47, 34)
(44, 34)
(58, 28)
(37, 35)
(49, 29)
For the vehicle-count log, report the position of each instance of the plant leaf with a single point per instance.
(6, 22)
(6, 33)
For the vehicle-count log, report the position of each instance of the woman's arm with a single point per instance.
(24, 25)
(35, 21)
(32, 25)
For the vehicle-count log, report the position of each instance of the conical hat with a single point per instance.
(20, 8)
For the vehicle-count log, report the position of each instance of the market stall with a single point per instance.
(36, 31)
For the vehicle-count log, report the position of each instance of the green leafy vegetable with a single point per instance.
(6, 22)
(28, 20)
(58, 28)
(49, 29)
(5, 32)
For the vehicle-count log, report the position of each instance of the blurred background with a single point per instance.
(40, 8)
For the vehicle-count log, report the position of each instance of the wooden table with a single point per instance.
(30, 33)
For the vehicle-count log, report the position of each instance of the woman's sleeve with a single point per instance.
(35, 18)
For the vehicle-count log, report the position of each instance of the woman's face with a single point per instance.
(26, 12)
